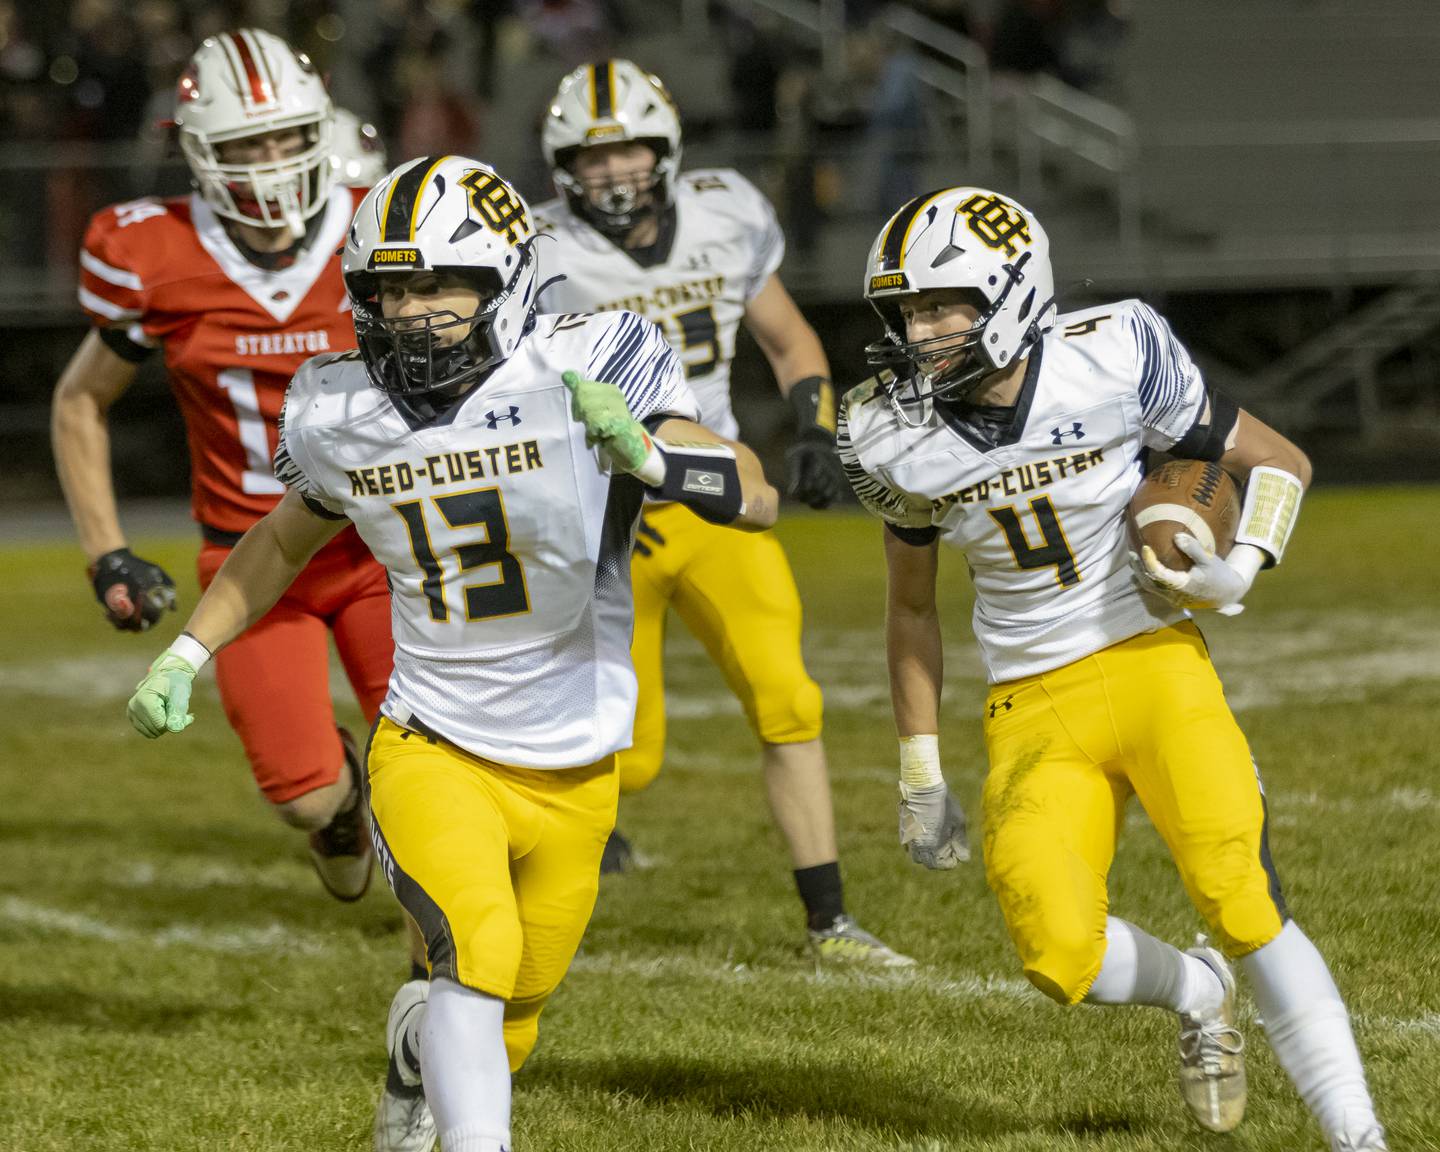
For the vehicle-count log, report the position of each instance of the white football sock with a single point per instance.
(1309, 1029)
(1139, 969)
(467, 1074)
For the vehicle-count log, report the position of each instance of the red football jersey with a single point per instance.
(232, 333)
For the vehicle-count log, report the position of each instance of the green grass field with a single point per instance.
(172, 977)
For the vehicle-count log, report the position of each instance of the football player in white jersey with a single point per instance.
(1019, 436)
(698, 253)
(494, 460)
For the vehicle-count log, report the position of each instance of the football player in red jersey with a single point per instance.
(238, 284)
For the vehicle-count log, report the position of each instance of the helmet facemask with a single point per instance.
(952, 366)
(411, 356)
(281, 193)
(614, 207)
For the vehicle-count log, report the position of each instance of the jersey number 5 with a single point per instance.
(697, 330)
(1054, 551)
(506, 595)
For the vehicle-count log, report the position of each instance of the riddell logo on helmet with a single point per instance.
(393, 257)
(888, 280)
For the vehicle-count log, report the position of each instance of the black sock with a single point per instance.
(418, 971)
(822, 894)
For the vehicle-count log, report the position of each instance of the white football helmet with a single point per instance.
(448, 214)
(605, 103)
(246, 83)
(358, 156)
(967, 238)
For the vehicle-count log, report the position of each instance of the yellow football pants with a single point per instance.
(1067, 748)
(735, 592)
(498, 865)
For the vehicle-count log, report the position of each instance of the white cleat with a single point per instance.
(1212, 1053)
(846, 943)
(1371, 1140)
(402, 1118)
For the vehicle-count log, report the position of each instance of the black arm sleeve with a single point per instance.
(319, 509)
(1207, 436)
(915, 537)
(124, 347)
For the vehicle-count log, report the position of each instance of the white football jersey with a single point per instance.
(506, 539)
(726, 243)
(1041, 513)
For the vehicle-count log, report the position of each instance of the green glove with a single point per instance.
(162, 700)
(608, 423)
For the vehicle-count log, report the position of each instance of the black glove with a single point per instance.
(814, 470)
(133, 592)
(646, 538)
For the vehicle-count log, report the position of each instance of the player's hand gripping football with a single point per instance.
(161, 702)
(1211, 582)
(134, 592)
(932, 826)
(601, 408)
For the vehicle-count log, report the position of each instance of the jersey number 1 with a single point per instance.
(483, 508)
(1054, 551)
(257, 479)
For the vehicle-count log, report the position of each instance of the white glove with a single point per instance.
(1211, 583)
(932, 826)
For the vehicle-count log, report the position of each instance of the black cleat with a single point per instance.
(341, 851)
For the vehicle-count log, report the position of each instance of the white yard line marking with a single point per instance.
(273, 938)
(276, 938)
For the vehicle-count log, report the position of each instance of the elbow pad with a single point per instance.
(703, 477)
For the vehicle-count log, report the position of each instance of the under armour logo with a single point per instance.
(1076, 429)
(493, 420)
(1001, 706)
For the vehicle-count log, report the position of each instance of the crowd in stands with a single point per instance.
(88, 73)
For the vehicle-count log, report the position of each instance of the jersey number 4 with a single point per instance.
(506, 595)
(1054, 550)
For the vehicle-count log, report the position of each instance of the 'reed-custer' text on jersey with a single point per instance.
(506, 539)
(715, 254)
(1040, 509)
(165, 272)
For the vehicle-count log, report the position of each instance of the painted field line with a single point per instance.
(272, 938)
(276, 938)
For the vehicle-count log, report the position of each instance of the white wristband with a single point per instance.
(920, 761)
(652, 472)
(190, 650)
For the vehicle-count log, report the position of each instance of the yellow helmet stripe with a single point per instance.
(402, 201)
(892, 249)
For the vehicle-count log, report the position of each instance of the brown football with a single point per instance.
(1191, 496)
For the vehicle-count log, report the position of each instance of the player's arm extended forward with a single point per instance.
(252, 579)
(258, 570)
(760, 501)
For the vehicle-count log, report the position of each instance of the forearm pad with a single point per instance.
(704, 477)
(813, 402)
(1271, 507)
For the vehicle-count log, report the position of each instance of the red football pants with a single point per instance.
(275, 679)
